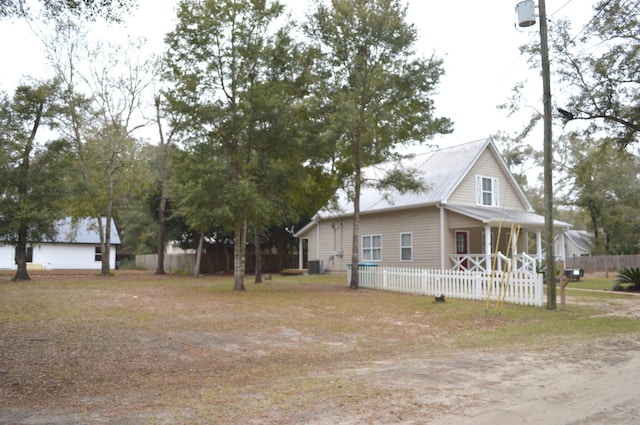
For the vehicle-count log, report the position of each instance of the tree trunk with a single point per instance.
(239, 252)
(161, 233)
(106, 257)
(355, 251)
(196, 269)
(104, 269)
(21, 255)
(106, 248)
(258, 254)
(23, 191)
(162, 227)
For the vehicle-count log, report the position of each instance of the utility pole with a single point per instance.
(526, 18)
(548, 160)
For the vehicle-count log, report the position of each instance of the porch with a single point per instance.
(484, 239)
(485, 263)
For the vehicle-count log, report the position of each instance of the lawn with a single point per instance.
(597, 282)
(136, 348)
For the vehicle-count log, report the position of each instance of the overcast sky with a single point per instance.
(477, 40)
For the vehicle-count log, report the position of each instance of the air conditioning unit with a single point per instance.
(315, 266)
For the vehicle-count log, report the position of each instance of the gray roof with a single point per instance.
(83, 231)
(493, 216)
(441, 171)
(581, 238)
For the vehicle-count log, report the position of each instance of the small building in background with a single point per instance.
(577, 243)
(75, 246)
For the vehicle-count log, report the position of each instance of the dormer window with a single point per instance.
(487, 191)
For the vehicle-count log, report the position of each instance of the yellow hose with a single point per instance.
(503, 296)
(493, 269)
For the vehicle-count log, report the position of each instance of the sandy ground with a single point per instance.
(595, 382)
(583, 384)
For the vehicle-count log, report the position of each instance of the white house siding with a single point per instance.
(59, 256)
(487, 166)
(7, 257)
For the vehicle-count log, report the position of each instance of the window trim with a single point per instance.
(480, 192)
(371, 248)
(97, 255)
(409, 247)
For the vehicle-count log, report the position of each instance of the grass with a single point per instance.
(594, 283)
(193, 348)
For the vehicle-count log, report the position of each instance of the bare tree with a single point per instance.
(105, 86)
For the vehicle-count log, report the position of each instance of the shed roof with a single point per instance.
(581, 238)
(82, 231)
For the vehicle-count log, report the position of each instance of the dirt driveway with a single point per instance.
(587, 384)
(192, 353)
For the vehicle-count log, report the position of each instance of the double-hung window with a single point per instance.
(406, 247)
(372, 247)
(487, 191)
(29, 258)
(98, 254)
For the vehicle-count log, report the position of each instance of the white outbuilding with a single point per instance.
(75, 246)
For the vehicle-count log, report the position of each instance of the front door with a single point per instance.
(462, 247)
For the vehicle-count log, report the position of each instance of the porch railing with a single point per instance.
(521, 263)
(515, 288)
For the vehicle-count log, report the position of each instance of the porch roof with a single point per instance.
(493, 216)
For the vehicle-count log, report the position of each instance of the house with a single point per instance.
(75, 246)
(577, 243)
(471, 206)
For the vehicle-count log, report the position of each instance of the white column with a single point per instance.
(318, 240)
(300, 253)
(561, 252)
(487, 246)
(442, 250)
(539, 245)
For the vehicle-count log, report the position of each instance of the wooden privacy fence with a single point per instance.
(602, 263)
(216, 263)
(517, 288)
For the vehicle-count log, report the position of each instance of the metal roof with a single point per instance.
(83, 231)
(581, 238)
(441, 171)
(495, 216)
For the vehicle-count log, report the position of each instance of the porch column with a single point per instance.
(318, 240)
(514, 244)
(300, 253)
(487, 246)
(539, 245)
(561, 252)
(442, 250)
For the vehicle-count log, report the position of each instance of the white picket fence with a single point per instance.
(515, 288)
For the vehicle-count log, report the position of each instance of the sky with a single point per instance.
(477, 40)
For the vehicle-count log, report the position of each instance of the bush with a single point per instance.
(630, 275)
